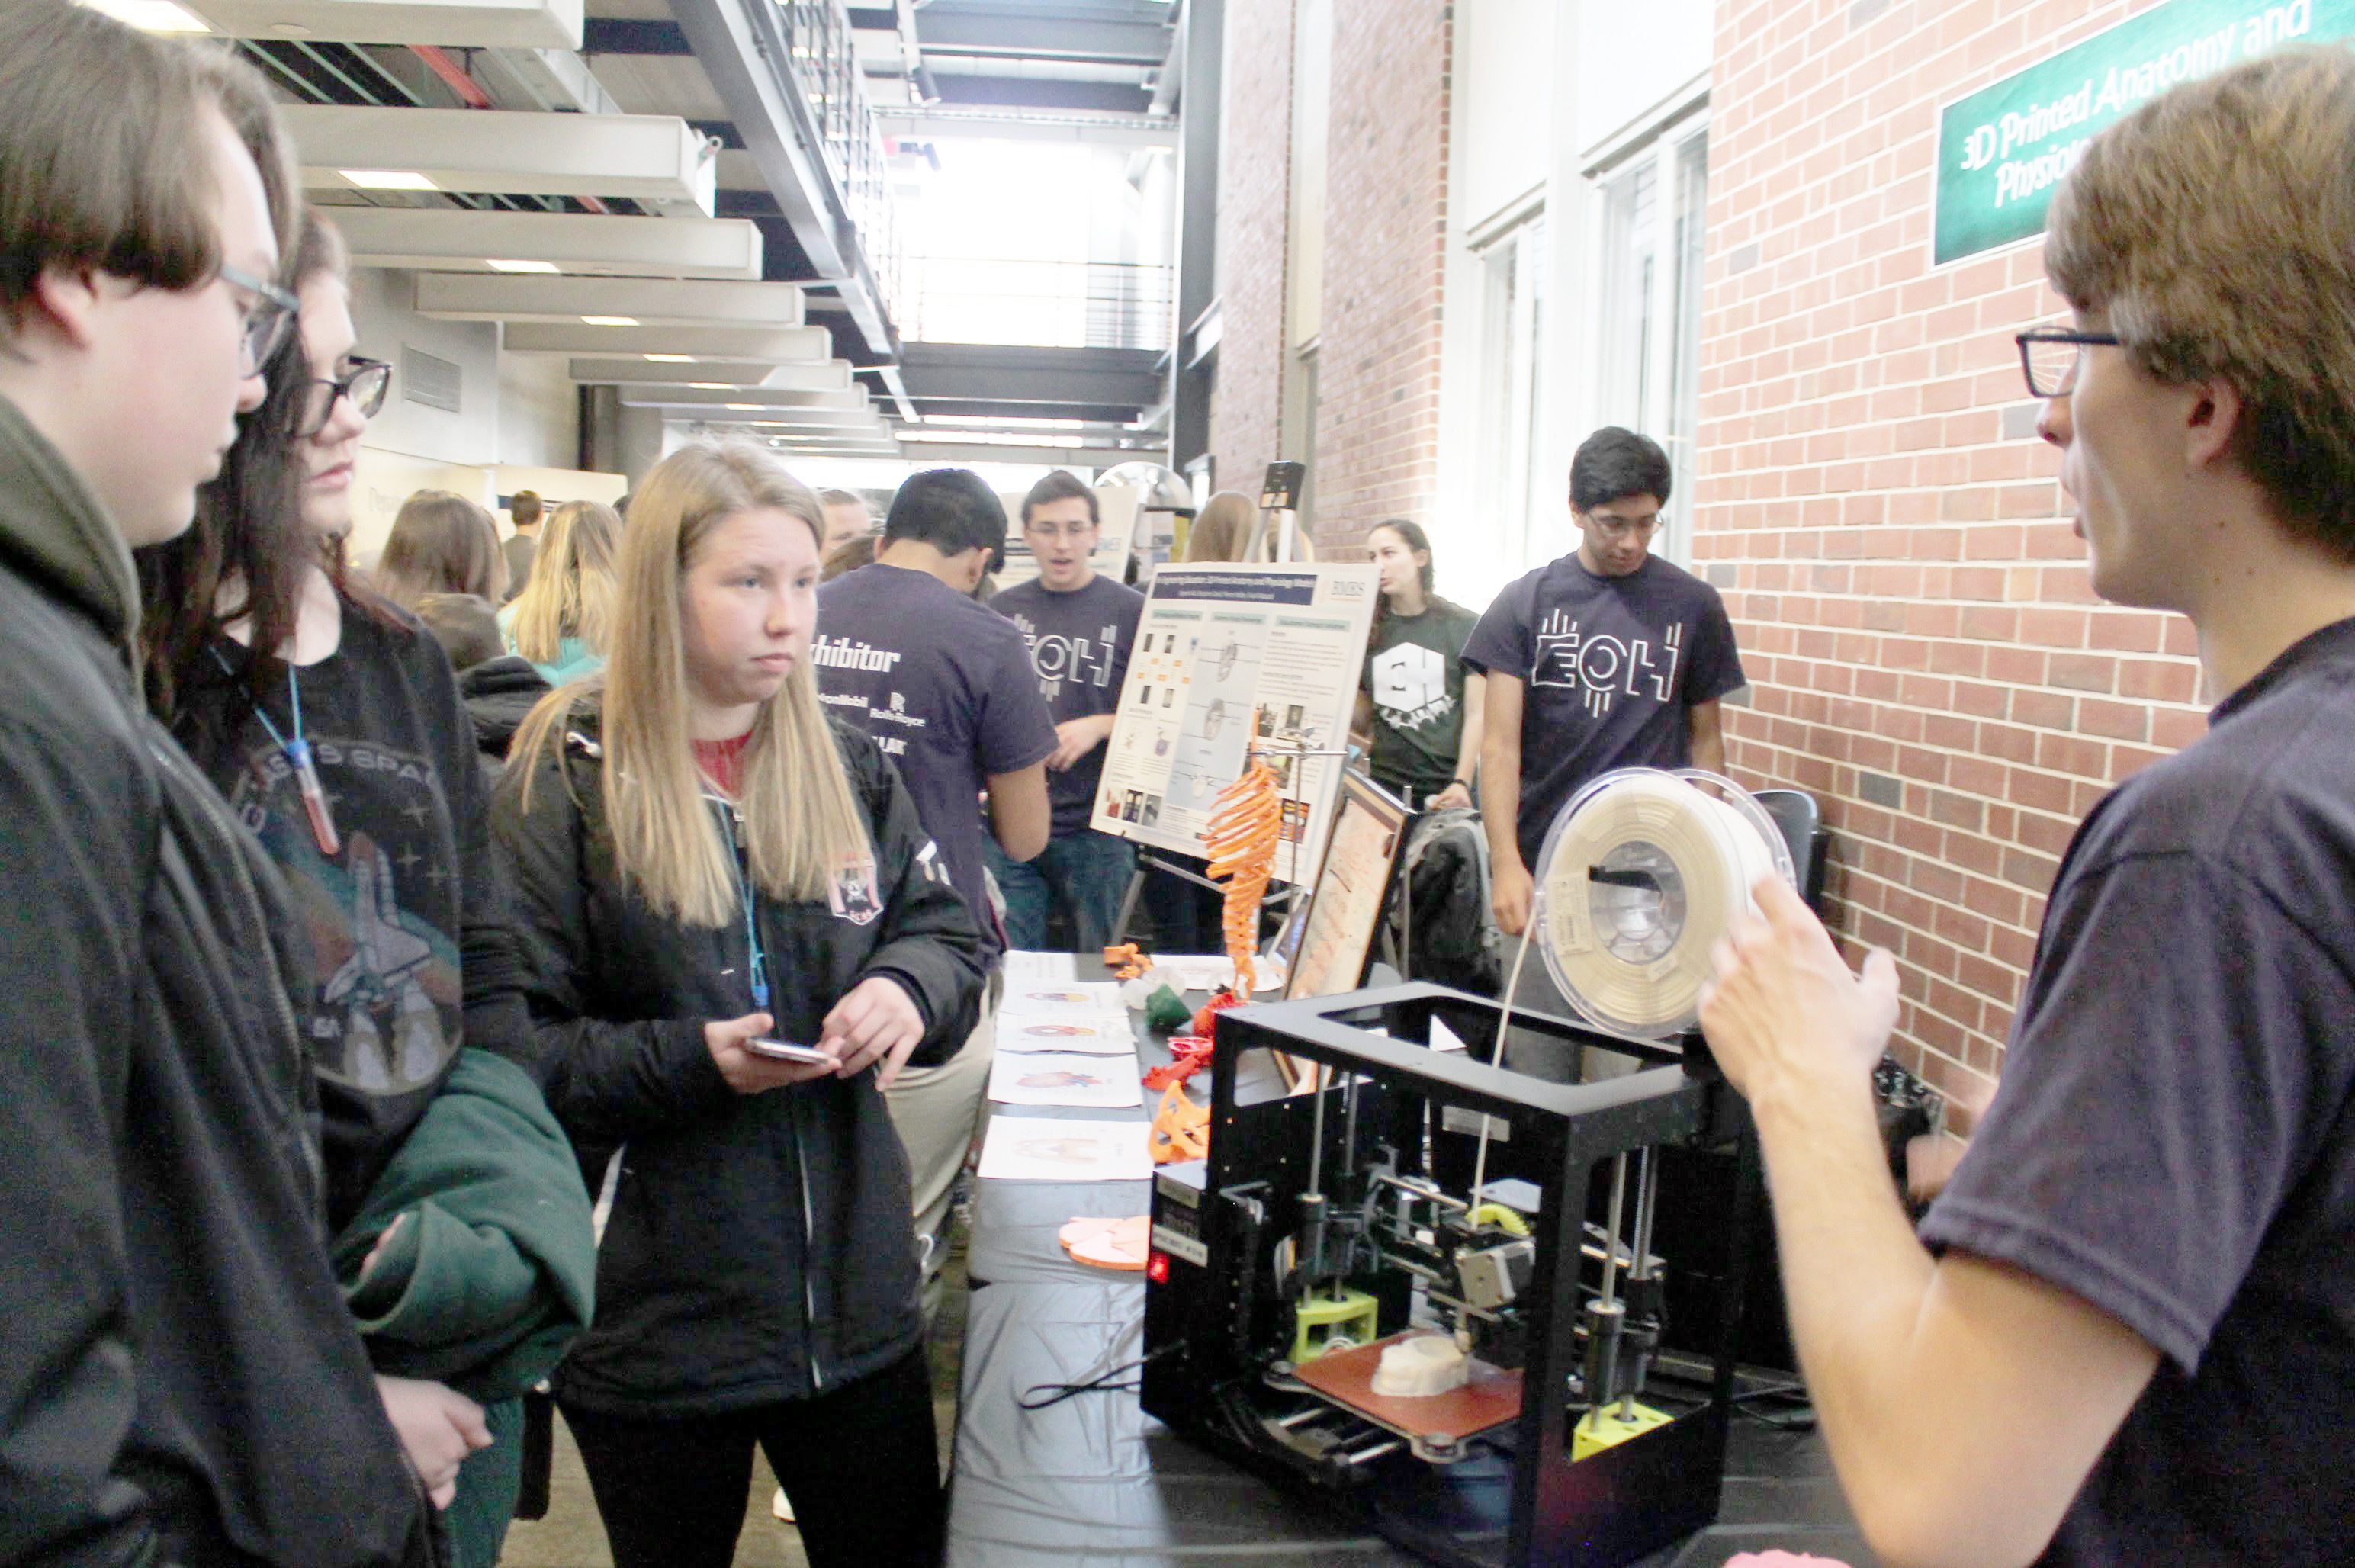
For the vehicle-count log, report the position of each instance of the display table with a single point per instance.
(1091, 1481)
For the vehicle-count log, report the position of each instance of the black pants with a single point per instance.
(858, 1463)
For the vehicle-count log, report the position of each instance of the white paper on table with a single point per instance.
(1072, 998)
(1061, 1079)
(1049, 1148)
(1211, 972)
(1023, 968)
(1098, 1034)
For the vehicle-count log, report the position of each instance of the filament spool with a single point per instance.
(1640, 874)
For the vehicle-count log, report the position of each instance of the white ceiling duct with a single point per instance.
(644, 157)
(785, 345)
(442, 238)
(832, 375)
(452, 24)
(477, 296)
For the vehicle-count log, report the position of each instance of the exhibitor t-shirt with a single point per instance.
(1609, 666)
(1079, 650)
(943, 684)
(1415, 677)
(2174, 1140)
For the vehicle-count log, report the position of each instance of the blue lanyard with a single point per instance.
(297, 752)
(759, 964)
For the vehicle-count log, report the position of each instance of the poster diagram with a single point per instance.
(1221, 646)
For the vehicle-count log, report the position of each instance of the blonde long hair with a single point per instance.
(802, 822)
(570, 591)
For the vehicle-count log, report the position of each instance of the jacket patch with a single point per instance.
(851, 895)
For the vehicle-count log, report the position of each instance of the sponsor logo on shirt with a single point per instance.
(1410, 685)
(840, 653)
(1605, 667)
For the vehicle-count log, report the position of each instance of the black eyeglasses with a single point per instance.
(2050, 357)
(267, 319)
(363, 384)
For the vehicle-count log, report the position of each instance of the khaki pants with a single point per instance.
(938, 1112)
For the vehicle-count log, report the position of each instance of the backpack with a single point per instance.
(1438, 924)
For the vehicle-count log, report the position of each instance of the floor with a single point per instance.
(571, 1537)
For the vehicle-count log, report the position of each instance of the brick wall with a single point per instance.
(1385, 222)
(1927, 656)
(1255, 217)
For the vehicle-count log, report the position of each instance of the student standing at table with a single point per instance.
(704, 865)
(1421, 715)
(1080, 626)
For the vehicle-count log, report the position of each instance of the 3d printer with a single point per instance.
(1429, 1288)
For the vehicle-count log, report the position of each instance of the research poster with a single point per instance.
(1220, 647)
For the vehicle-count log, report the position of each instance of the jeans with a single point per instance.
(1086, 872)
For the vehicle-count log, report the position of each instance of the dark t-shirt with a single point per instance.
(944, 687)
(1079, 650)
(2174, 1142)
(1610, 666)
(1414, 676)
(404, 925)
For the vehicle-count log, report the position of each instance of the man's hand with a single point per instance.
(1784, 1013)
(438, 1427)
(748, 1072)
(1457, 795)
(876, 1021)
(1511, 890)
(1075, 738)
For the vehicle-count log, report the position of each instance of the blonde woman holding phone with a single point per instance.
(707, 872)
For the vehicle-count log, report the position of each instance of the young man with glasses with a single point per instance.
(1609, 657)
(180, 1380)
(2126, 1332)
(1080, 626)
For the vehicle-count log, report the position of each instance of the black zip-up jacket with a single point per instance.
(759, 1247)
(180, 1382)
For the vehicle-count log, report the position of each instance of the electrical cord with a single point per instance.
(1101, 1384)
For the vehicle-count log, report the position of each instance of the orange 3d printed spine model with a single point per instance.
(1245, 821)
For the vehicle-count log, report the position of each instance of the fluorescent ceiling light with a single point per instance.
(609, 321)
(150, 16)
(745, 408)
(992, 438)
(387, 179)
(671, 358)
(521, 266)
(711, 386)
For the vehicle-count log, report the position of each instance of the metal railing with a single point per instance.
(824, 65)
(1048, 305)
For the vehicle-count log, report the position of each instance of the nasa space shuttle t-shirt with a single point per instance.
(1610, 666)
(404, 908)
(943, 684)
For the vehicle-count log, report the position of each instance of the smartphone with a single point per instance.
(778, 1050)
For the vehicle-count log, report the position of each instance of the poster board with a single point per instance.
(1116, 523)
(1217, 642)
(1352, 885)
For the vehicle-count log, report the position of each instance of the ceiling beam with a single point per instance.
(958, 88)
(644, 157)
(482, 296)
(627, 35)
(832, 375)
(440, 239)
(1037, 35)
(803, 345)
(1137, 133)
(466, 24)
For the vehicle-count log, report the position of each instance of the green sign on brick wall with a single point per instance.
(2003, 149)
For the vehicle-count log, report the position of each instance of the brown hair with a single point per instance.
(1223, 530)
(849, 556)
(101, 167)
(441, 543)
(2250, 282)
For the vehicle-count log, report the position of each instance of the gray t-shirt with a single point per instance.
(1080, 642)
(1610, 668)
(2174, 1139)
(943, 685)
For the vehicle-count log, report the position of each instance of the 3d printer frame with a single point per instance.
(1220, 1323)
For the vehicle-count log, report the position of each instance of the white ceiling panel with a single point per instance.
(449, 238)
(652, 301)
(452, 24)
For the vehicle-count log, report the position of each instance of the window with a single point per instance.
(1655, 203)
(1512, 276)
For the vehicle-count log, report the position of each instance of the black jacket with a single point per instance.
(759, 1247)
(500, 694)
(178, 1375)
